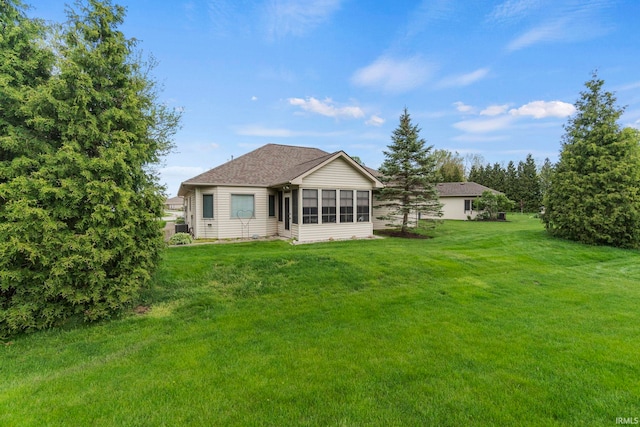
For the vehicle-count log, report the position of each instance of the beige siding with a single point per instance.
(189, 212)
(232, 228)
(205, 228)
(326, 231)
(222, 226)
(320, 232)
(453, 208)
(338, 173)
(272, 222)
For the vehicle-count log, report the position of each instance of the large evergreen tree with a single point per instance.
(528, 183)
(24, 66)
(512, 189)
(594, 195)
(79, 229)
(409, 174)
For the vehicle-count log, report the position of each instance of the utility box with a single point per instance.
(182, 228)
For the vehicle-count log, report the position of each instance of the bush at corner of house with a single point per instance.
(180, 220)
(180, 239)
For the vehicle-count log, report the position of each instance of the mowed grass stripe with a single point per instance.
(484, 324)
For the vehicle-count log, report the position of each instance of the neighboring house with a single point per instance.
(294, 192)
(174, 204)
(457, 198)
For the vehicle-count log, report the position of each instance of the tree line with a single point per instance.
(524, 183)
(592, 195)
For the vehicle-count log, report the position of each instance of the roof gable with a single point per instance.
(260, 167)
(272, 165)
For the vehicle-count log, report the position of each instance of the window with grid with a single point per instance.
(309, 206)
(346, 205)
(328, 206)
(363, 206)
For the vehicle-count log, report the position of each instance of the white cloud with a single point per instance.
(464, 79)
(326, 108)
(567, 22)
(293, 17)
(427, 12)
(375, 121)
(394, 75)
(254, 98)
(511, 10)
(630, 86)
(549, 32)
(494, 110)
(462, 107)
(543, 109)
(484, 125)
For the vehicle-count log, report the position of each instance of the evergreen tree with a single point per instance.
(546, 171)
(80, 231)
(529, 194)
(497, 177)
(409, 175)
(24, 66)
(476, 174)
(512, 189)
(594, 195)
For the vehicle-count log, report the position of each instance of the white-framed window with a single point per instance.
(346, 205)
(362, 206)
(309, 206)
(328, 206)
(242, 206)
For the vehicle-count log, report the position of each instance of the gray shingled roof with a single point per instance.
(268, 165)
(460, 189)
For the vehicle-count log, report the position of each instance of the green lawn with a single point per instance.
(484, 324)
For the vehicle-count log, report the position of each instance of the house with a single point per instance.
(278, 190)
(457, 198)
(174, 204)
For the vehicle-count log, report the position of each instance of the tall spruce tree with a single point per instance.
(529, 193)
(594, 196)
(80, 230)
(409, 174)
(512, 190)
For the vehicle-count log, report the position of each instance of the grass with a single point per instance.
(484, 324)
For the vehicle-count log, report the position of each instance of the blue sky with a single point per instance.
(494, 78)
